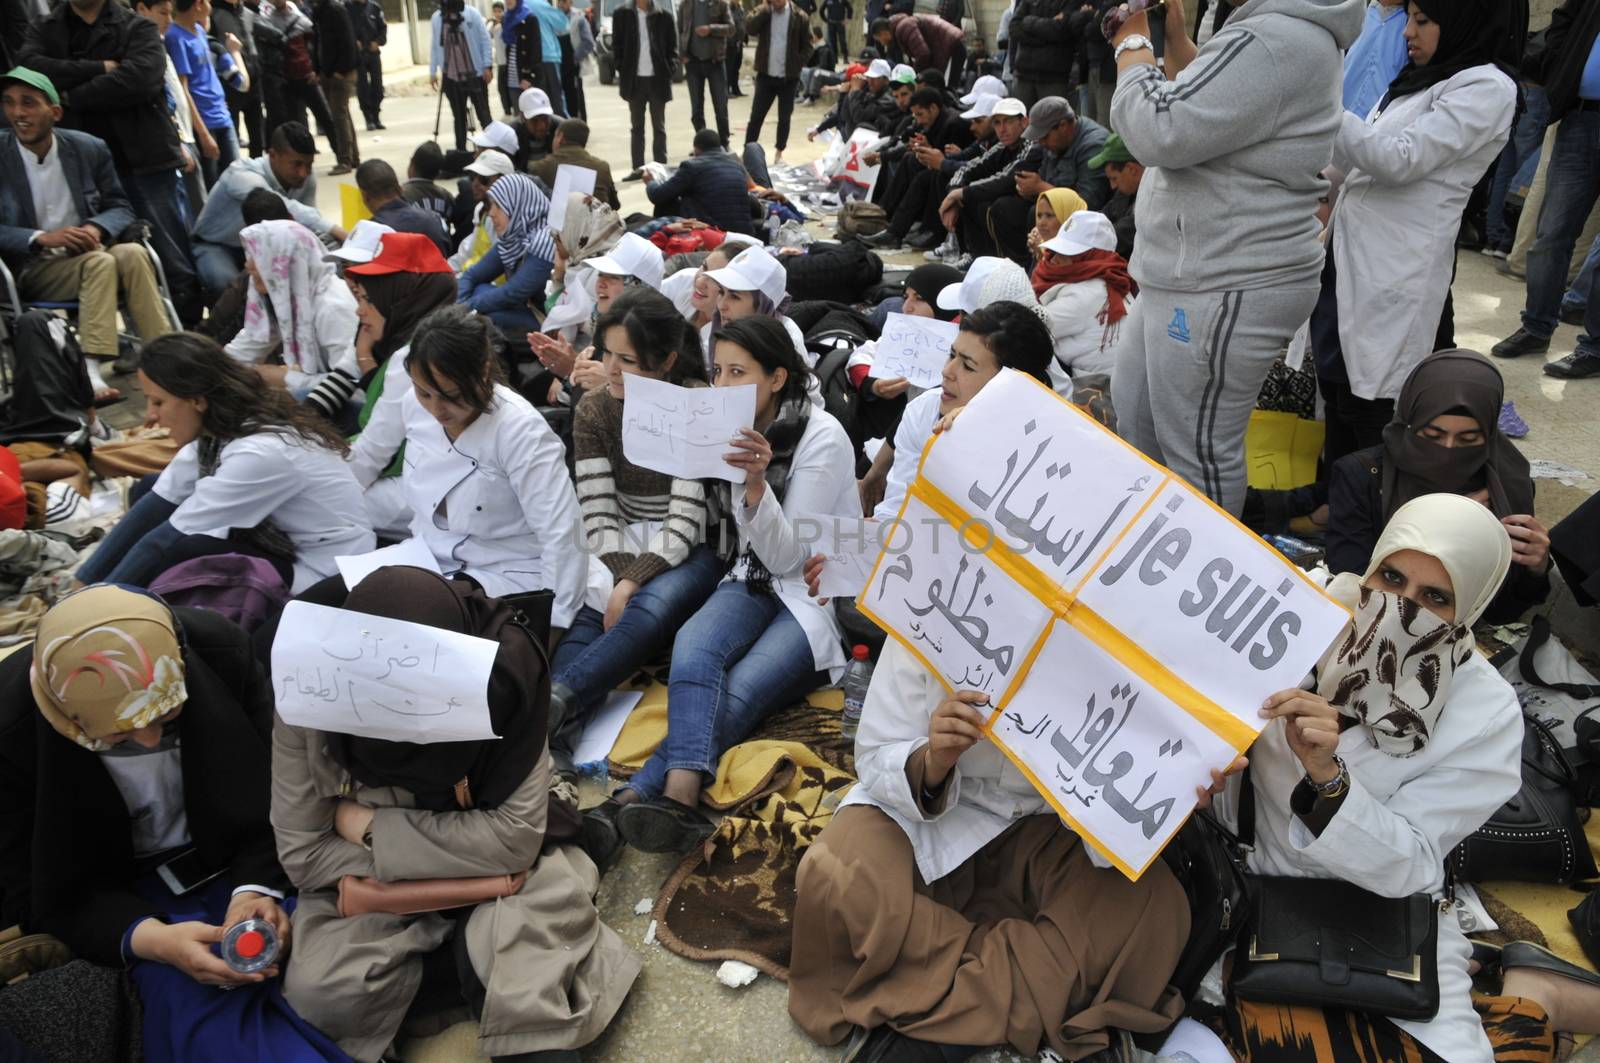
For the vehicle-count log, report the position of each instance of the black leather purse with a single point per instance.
(1205, 859)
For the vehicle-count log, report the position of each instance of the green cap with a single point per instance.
(1114, 150)
(34, 79)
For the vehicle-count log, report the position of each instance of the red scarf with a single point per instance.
(1089, 265)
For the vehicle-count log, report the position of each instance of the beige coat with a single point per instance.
(554, 974)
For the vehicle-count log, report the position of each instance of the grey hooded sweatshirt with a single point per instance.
(1236, 145)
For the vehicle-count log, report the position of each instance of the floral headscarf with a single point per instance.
(289, 258)
(107, 660)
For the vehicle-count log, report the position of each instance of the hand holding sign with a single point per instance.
(915, 348)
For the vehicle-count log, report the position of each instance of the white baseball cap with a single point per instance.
(982, 107)
(965, 297)
(903, 75)
(988, 85)
(1011, 106)
(634, 256)
(491, 164)
(879, 68)
(534, 102)
(362, 243)
(1085, 230)
(753, 270)
(496, 135)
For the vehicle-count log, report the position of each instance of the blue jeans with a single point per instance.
(1524, 144)
(227, 139)
(738, 659)
(1577, 296)
(218, 265)
(159, 199)
(512, 320)
(143, 545)
(592, 661)
(1572, 183)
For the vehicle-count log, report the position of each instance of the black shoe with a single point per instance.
(550, 1055)
(922, 239)
(883, 241)
(1539, 958)
(563, 702)
(1519, 343)
(663, 826)
(883, 1045)
(1579, 365)
(378, 125)
(1571, 315)
(599, 836)
(636, 175)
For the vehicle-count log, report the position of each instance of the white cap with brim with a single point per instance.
(878, 68)
(988, 85)
(1085, 230)
(983, 107)
(496, 135)
(753, 270)
(634, 256)
(1010, 106)
(964, 297)
(491, 164)
(362, 243)
(534, 102)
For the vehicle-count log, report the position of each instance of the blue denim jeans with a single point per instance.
(1524, 144)
(738, 659)
(1577, 296)
(592, 661)
(159, 199)
(143, 545)
(1572, 183)
(218, 265)
(227, 139)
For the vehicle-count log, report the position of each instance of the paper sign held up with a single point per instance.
(915, 348)
(684, 431)
(336, 670)
(569, 179)
(850, 544)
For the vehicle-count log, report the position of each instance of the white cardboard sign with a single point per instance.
(915, 348)
(684, 431)
(569, 179)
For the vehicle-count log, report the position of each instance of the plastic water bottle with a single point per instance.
(250, 945)
(772, 227)
(857, 677)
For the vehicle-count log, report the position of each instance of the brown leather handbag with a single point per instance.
(359, 895)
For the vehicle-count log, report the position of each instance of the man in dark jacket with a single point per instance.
(837, 14)
(336, 58)
(783, 40)
(710, 185)
(703, 30)
(1061, 144)
(1572, 84)
(233, 16)
(109, 66)
(933, 127)
(386, 201)
(1045, 45)
(645, 43)
(927, 42)
(372, 33)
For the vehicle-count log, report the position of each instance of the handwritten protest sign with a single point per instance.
(850, 546)
(915, 348)
(1141, 621)
(569, 179)
(357, 567)
(335, 670)
(684, 431)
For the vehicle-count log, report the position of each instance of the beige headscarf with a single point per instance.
(106, 660)
(1393, 669)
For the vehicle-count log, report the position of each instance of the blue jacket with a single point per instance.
(1375, 59)
(86, 161)
(477, 289)
(477, 32)
(553, 25)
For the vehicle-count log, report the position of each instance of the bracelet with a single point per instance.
(1337, 786)
(1136, 42)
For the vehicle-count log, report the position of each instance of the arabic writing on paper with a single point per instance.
(684, 431)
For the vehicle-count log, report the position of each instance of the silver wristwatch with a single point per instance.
(1132, 44)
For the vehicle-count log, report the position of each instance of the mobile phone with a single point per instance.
(186, 872)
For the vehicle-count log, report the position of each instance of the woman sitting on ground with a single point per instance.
(252, 461)
(523, 253)
(540, 971)
(759, 643)
(1052, 210)
(485, 478)
(754, 284)
(1445, 437)
(1085, 289)
(1380, 802)
(299, 308)
(650, 567)
(157, 746)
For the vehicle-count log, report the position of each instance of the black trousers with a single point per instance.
(768, 89)
(508, 91)
(459, 92)
(369, 84)
(572, 89)
(245, 110)
(302, 96)
(652, 93)
(838, 40)
(921, 201)
(1353, 423)
(1010, 218)
(734, 60)
(700, 75)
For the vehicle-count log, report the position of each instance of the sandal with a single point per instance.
(663, 825)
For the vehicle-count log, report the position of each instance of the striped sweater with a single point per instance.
(613, 493)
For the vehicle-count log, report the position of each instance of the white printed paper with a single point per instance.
(337, 670)
(601, 732)
(410, 552)
(850, 545)
(569, 179)
(915, 348)
(684, 431)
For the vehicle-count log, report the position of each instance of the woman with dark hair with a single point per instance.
(485, 478)
(1445, 437)
(539, 970)
(758, 643)
(649, 565)
(253, 461)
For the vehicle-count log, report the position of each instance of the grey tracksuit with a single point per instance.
(1227, 257)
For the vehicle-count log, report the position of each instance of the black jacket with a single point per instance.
(1045, 44)
(127, 107)
(712, 187)
(66, 849)
(241, 22)
(1568, 42)
(335, 39)
(366, 19)
(625, 46)
(525, 50)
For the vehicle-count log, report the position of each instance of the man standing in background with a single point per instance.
(703, 30)
(461, 48)
(553, 24)
(783, 40)
(244, 105)
(646, 44)
(336, 64)
(372, 33)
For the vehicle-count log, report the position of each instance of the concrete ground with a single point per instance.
(678, 1011)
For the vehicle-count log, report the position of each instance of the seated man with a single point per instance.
(427, 163)
(46, 421)
(286, 170)
(914, 215)
(818, 70)
(710, 185)
(570, 148)
(536, 131)
(380, 191)
(1123, 172)
(60, 207)
(983, 178)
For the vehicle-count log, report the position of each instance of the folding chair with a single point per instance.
(12, 305)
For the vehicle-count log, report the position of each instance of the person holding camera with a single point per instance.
(462, 53)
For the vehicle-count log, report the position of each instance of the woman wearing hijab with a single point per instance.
(256, 473)
(1085, 289)
(1409, 168)
(1378, 797)
(523, 253)
(540, 971)
(753, 283)
(520, 34)
(157, 745)
(1050, 213)
(1445, 437)
(297, 306)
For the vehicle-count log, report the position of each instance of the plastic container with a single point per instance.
(857, 677)
(250, 946)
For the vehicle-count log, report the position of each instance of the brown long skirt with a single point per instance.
(1026, 943)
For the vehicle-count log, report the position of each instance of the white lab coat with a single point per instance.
(1408, 173)
(497, 504)
(1400, 819)
(385, 497)
(916, 428)
(306, 489)
(821, 480)
(1083, 344)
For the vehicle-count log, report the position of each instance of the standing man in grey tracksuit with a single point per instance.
(1227, 258)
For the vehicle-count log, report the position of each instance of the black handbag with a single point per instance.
(1328, 943)
(1205, 859)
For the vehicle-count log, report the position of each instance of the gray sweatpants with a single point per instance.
(1189, 369)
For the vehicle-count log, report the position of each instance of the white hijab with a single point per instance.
(289, 258)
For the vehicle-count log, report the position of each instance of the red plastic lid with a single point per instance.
(250, 944)
(860, 653)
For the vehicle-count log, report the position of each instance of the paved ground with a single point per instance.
(678, 1011)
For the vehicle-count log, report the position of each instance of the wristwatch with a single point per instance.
(1133, 43)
